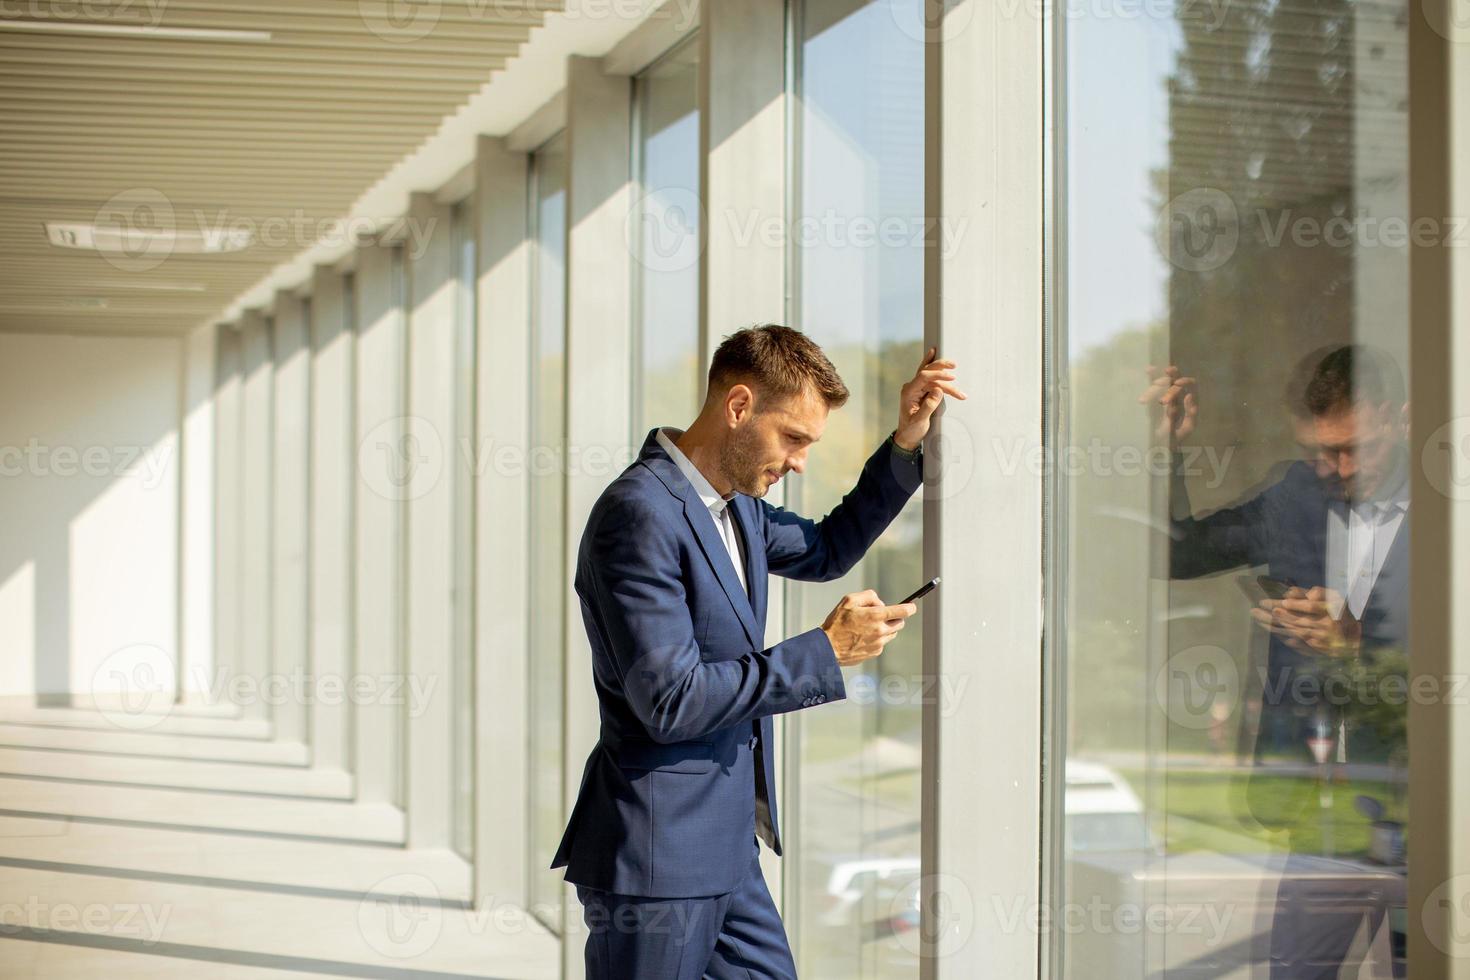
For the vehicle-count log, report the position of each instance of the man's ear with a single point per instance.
(739, 403)
(1382, 413)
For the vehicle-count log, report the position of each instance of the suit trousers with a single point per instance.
(734, 935)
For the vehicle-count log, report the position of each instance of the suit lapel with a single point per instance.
(1392, 577)
(750, 609)
(703, 525)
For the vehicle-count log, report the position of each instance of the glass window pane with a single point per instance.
(854, 774)
(1229, 378)
(548, 511)
(666, 372)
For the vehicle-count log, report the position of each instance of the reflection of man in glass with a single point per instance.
(1332, 535)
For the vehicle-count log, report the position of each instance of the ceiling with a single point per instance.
(175, 123)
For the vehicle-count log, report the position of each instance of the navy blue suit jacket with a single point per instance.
(686, 686)
(1284, 527)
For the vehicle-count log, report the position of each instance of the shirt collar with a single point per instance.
(666, 436)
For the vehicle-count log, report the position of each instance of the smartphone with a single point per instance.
(1251, 588)
(1276, 588)
(922, 591)
(1258, 587)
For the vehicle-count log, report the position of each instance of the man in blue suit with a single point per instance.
(1336, 530)
(662, 843)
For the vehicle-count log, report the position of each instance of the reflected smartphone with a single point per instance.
(922, 591)
(1276, 588)
(1258, 587)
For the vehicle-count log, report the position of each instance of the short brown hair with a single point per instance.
(1351, 374)
(778, 362)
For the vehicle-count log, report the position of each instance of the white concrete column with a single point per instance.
(329, 550)
(196, 514)
(290, 456)
(429, 513)
(1439, 725)
(599, 376)
(255, 524)
(981, 830)
(742, 138)
(502, 507)
(380, 483)
(228, 501)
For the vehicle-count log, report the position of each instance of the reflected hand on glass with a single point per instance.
(860, 626)
(1305, 619)
(921, 395)
(1180, 401)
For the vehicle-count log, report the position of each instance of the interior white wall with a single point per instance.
(89, 484)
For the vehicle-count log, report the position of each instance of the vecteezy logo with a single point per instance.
(1199, 230)
(1446, 917)
(401, 916)
(950, 457)
(399, 21)
(401, 458)
(662, 230)
(1450, 19)
(1198, 686)
(950, 923)
(1446, 458)
(949, 18)
(134, 687)
(140, 227)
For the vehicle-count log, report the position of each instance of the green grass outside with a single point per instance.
(1236, 812)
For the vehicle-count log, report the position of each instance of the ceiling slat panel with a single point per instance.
(177, 121)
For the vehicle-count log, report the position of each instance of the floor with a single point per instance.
(198, 847)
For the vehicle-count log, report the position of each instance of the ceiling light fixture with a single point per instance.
(146, 241)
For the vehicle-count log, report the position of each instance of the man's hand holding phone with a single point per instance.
(861, 626)
(1313, 621)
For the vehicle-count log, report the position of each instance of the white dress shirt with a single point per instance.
(718, 506)
(1359, 535)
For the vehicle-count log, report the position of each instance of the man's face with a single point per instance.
(766, 445)
(1355, 447)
